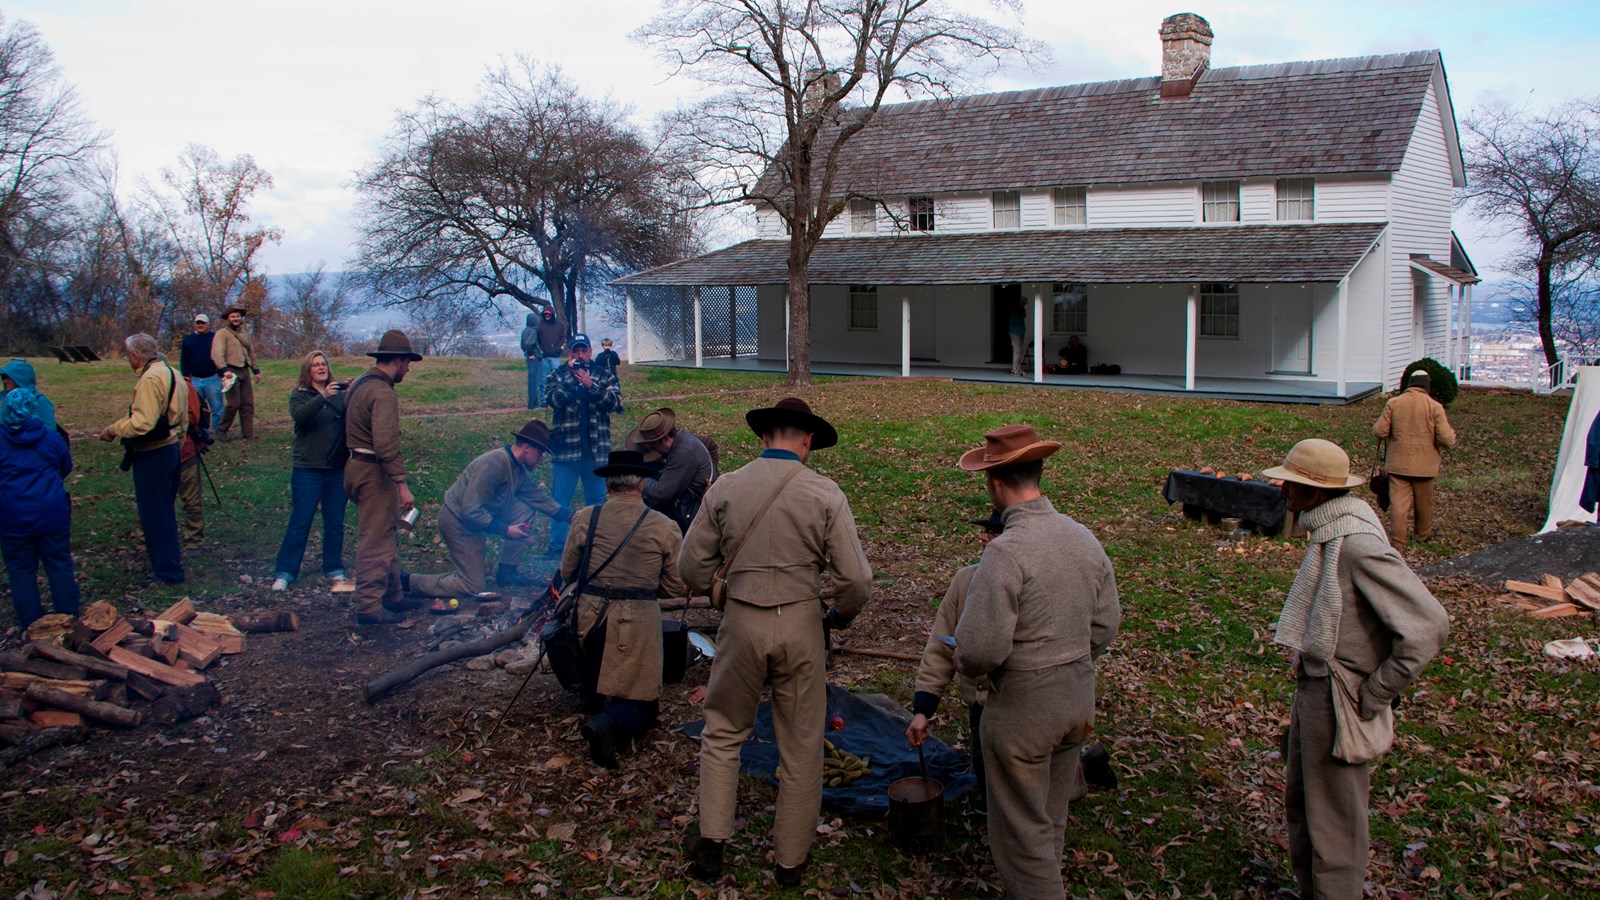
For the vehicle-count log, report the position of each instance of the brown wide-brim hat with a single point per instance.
(236, 309)
(656, 425)
(793, 412)
(1008, 445)
(627, 462)
(536, 433)
(1317, 463)
(394, 343)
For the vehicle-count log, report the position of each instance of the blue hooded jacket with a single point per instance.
(20, 371)
(34, 462)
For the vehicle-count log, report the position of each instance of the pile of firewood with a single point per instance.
(1552, 599)
(103, 669)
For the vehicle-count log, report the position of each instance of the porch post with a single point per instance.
(786, 330)
(905, 335)
(699, 339)
(1450, 326)
(1466, 350)
(1344, 332)
(1191, 333)
(1038, 333)
(627, 299)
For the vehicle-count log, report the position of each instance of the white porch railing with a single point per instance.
(1552, 378)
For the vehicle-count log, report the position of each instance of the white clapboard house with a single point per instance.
(1276, 231)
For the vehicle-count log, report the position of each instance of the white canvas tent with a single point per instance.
(1567, 485)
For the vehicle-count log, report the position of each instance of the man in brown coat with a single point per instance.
(375, 479)
(777, 526)
(623, 601)
(233, 351)
(1417, 429)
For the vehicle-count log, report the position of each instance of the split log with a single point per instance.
(51, 627)
(55, 718)
(1543, 591)
(195, 647)
(21, 681)
(180, 612)
(221, 630)
(163, 630)
(88, 663)
(183, 704)
(147, 687)
(40, 741)
(94, 709)
(880, 654)
(111, 637)
(163, 650)
(16, 662)
(265, 622)
(1557, 611)
(152, 669)
(11, 708)
(380, 687)
(1552, 581)
(13, 733)
(1583, 594)
(99, 616)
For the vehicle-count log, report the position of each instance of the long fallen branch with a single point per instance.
(880, 654)
(42, 740)
(380, 687)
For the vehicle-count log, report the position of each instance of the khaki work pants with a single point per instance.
(1034, 725)
(241, 402)
(377, 501)
(192, 496)
(1408, 496)
(1325, 801)
(469, 552)
(780, 647)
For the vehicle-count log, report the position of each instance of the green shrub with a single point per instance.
(1442, 384)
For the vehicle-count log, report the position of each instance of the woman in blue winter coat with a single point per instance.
(37, 526)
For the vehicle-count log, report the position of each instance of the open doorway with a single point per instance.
(1004, 299)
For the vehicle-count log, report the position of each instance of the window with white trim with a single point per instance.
(922, 218)
(1219, 310)
(1069, 308)
(1297, 199)
(1071, 205)
(1219, 201)
(863, 217)
(863, 307)
(1007, 209)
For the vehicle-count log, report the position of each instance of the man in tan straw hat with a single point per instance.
(375, 478)
(772, 528)
(1041, 609)
(1362, 627)
(495, 496)
(686, 466)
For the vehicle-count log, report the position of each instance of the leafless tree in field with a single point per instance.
(1538, 176)
(306, 311)
(791, 83)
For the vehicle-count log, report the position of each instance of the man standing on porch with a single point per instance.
(1417, 429)
(1017, 328)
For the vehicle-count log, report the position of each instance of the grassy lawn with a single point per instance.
(1490, 791)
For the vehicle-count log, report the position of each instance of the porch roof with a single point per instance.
(1247, 253)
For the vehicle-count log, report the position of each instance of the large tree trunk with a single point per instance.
(799, 295)
(1547, 334)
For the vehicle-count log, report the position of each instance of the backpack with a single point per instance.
(199, 429)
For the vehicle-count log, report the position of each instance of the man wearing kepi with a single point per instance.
(686, 470)
(776, 526)
(581, 400)
(1041, 609)
(495, 496)
(1362, 627)
(375, 479)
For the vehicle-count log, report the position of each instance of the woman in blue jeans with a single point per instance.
(36, 529)
(317, 407)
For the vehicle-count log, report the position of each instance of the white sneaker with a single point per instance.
(281, 584)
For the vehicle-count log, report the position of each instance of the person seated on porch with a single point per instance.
(1073, 359)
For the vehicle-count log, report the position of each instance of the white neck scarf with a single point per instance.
(1310, 618)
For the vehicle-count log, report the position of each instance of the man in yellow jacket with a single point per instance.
(151, 433)
(1417, 429)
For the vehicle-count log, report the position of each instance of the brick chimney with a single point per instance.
(1185, 53)
(818, 85)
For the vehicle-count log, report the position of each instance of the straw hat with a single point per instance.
(794, 413)
(1008, 445)
(1317, 463)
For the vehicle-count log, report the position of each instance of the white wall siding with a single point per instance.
(769, 225)
(1420, 217)
(1258, 201)
(1038, 210)
(1352, 199)
(1144, 206)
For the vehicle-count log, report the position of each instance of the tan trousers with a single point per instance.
(1034, 725)
(192, 496)
(1408, 496)
(377, 503)
(241, 402)
(469, 552)
(780, 647)
(1325, 801)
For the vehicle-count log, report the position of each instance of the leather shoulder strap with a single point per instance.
(727, 564)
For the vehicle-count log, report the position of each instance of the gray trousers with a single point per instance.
(1034, 725)
(1325, 801)
(468, 551)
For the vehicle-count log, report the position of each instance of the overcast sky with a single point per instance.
(310, 88)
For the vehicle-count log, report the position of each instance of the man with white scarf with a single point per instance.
(1362, 626)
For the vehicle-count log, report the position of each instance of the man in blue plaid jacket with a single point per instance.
(581, 398)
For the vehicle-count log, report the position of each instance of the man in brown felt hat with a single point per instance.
(778, 526)
(1041, 608)
(494, 496)
(1362, 627)
(375, 479)
(233, 351)
(687, 469)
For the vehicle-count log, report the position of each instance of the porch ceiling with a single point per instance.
(1248, 253)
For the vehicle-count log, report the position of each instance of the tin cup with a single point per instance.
(408, 519)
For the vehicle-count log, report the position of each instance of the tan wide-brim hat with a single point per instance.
(656, 425)
(1008, 445)
(1317, 463)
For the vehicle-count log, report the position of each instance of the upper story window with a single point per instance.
(922, 214)
(1072, 205)
(863, 307)
(1070, 308)
(1219, 201)
(1296, 199)
(1219, 310)
(1007, 209)
(863, 217)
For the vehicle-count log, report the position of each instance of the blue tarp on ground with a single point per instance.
(875, 727)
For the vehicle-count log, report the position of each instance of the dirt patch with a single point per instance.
(1566, 553)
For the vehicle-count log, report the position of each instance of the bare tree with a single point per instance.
(531, 185)
(306, 312)
(446, 325)
(795, 81)
(1538, 175)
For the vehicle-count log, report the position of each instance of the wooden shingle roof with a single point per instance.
(1249, 253)
(1332, 116)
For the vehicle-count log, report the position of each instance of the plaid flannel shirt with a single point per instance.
(571, 417)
